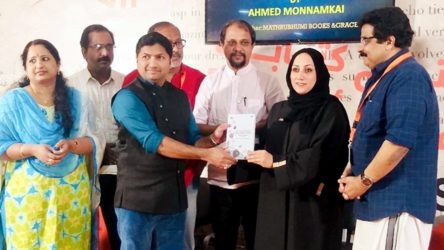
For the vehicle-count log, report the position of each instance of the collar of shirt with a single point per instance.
(151, 83)
(243, 71)
(93, 80)
(379, 69)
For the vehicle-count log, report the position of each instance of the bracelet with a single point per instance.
(76, 144)
(21, 151)
(212, 140)
(279, 164)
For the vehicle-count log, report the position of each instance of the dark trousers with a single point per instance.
(108, 189)
(230, 208)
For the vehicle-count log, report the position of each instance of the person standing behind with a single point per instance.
(236, 88)
(157, 131)
(98, 82)
(46, 140)
(180, 75)
(394, 150)
(187, 79)
(306, 152)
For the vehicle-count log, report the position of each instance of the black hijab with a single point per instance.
(304, 106)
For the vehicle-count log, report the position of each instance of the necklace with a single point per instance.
(40, 98)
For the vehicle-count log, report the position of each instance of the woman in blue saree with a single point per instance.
(46, 146)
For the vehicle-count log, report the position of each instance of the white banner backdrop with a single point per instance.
(62, 21)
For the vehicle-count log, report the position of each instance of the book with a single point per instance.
(241, 134)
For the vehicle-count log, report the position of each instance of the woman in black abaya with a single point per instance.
(306, 152)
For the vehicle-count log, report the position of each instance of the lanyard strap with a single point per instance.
(391, 66)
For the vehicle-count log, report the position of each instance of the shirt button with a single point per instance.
(160, 106)
(166, 119)
(178, 171)
(174, 132)
(154, 93)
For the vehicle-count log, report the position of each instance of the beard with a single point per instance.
(237, 64)
(177, 60)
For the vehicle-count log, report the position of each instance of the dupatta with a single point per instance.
(22, 120)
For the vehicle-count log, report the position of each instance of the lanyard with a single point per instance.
(391, 66)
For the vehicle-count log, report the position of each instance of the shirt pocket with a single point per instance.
(373, 118)
(251, 105)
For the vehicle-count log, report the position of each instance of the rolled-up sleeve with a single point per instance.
(202, 105)
(131, 113)
(406, 108)
(193, 130)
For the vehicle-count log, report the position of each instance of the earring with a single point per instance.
(59, 73)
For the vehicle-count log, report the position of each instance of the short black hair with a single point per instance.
(389, 21)
(154, 38)
(84, 40)
(240, 23)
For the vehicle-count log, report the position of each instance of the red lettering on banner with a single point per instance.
(287, 54)
(335, 55)
(440, 81)
(339, 94)
(267, 58)
(359, 83)
(276, 58)
(441, 141)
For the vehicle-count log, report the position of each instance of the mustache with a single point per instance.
(362, 54)
(104, 59)
(238, 53)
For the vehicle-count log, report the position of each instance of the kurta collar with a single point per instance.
(243, 71)
(150, 83)
(109, 81)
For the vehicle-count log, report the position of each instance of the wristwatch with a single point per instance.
(367, 181)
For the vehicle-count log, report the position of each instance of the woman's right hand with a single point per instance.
(261, 157)
(45, 154)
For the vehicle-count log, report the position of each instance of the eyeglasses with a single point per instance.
(366, 40)
(243, 43)
(99, 47)
(179, 44)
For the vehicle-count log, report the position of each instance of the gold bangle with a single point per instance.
(279, 163)
(21, 151)
(76, 144)
(212, 140)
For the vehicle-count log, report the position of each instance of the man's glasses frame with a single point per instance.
(99, 47)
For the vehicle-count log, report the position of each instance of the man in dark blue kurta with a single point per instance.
(157, 130)
(395, 144)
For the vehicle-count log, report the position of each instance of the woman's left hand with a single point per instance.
(261, 157)
(62, 148)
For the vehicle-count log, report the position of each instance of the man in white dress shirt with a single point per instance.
(99, 83)
(236, 88)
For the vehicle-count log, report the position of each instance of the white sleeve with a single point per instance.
(202, 104)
